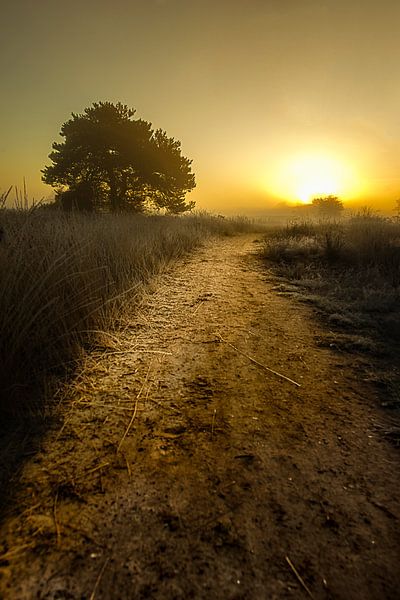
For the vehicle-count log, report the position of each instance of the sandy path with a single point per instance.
(184, 470)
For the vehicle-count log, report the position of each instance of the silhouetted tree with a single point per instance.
(111, 160)
(328, 206)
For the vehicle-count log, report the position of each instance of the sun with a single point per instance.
(316, 176)
(303, 177)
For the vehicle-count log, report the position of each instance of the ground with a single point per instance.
(213, 448)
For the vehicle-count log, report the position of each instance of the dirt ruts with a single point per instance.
(183, 467)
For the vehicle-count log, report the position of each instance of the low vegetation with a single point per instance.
(65, 277)
(349, 269)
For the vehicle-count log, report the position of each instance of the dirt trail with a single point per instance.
(185, 470)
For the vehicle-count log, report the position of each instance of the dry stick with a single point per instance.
(137, 351)
(56, 524)
(147, 395)
(198, 306)
(12, 553)
(253, 360)
(128, 467)
(100, 575)
(135, 410)
(30, 509)
(163, 405)
(66, 421)
(89, 404)
(213, 422)
(96, 468)
(298, 576)
(129, 373)
(130, 424)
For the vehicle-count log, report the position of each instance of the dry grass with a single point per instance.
(65, 278)
(350, 272)
(349, 269)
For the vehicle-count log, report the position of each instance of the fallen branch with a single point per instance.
(253, 360)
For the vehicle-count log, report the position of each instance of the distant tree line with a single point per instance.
(328, 206)
(111, 161)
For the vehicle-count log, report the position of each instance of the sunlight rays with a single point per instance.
(302, 177)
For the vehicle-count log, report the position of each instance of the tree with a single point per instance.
(109, 160)
(328, 206)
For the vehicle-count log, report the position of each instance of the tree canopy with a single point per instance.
(110, 160)
(328, 206)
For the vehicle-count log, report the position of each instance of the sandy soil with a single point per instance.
(183, 469)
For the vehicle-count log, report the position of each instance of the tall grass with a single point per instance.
(350, 269)
(65, 277)
(362, 242)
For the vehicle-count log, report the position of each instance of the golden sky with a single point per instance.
(272, 99)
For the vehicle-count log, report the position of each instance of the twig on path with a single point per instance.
(213, 422)
(135, 409)
(136, 351)
(100, 575)
(253, 360)
(56, 523)
(130, 424)
(200, 303)
(15, 551)
(163, 405)
(128, 467)
(129, 373)
(298, 577)
(96, 468)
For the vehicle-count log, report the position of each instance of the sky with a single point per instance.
(273, 100)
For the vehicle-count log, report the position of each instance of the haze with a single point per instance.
(273, 100)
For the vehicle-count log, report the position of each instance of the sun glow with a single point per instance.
(316, 177)
(304, 177)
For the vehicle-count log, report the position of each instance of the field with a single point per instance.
(227, 425)
(349, 270)
(65, 278)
